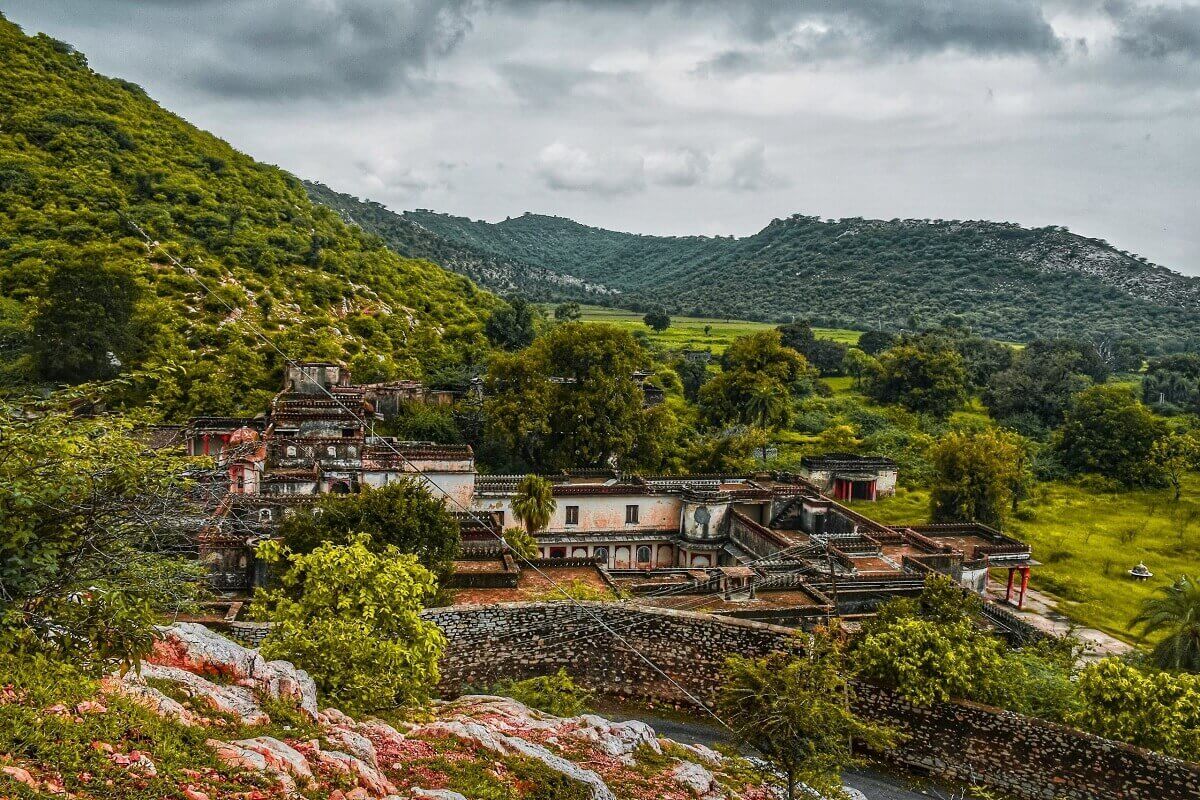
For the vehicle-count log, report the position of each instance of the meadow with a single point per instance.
(1088, 539)
(689, 333)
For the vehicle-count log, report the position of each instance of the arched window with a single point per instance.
(600, 554)
(643, 555)
(331, 451)
(291, 451)
(264, 515)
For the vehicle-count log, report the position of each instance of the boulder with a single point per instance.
(697, 780)
(280, 757)
(618, 739)
(436, 794)
(368, 777)
(236, 700)
(151, 698)
(353, 743)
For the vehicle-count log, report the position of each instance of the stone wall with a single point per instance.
(1023, 756)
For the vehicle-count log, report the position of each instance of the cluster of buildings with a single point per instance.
(781, 547)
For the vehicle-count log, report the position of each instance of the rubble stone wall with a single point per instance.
(1023, 756)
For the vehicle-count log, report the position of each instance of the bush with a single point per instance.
(554, 694)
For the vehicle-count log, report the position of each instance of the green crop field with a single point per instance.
(1087, 540)
(689, 332)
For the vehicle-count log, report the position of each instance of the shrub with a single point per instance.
(554, 694)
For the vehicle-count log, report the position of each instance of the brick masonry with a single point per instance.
(1023, 756)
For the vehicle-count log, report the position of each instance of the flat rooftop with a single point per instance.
(534, 586)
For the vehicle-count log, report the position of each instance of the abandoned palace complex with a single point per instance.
(778, 547)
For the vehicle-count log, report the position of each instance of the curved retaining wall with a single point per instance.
(1027, 757)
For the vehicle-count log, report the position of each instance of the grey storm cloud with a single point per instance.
(1157, 32)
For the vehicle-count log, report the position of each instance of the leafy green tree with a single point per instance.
(88, 532)
(1175, 612)
(977, 474)
(795, 711)
(567, 312)
(403, 515)
(875, 342)
(930, 649)
(753, 369)
(923, 375)
(533, 502)
(1108, 431)
(824, 354)
(838, 439)
(569, 399)
(1174, 455)
(859, 365)
(85, 328)
(692, 375)
(657, 320)
(1158, 710)
(1172, 383)
(349, 614)
(728, 451)
(1041, 381)
(512, 326)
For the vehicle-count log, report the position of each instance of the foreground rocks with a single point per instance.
(199, 679)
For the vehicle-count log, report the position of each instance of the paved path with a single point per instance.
(1041, 611)
(874, 784)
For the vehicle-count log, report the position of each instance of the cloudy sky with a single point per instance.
(694, 116)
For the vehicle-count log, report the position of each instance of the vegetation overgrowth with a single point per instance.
(84, 158)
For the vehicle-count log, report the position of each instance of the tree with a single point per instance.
(977, 474)
(875, 342)
(1108, 431)
(838, 439)
(824, 354)
(922, 376)
(349, 614)
(859, 365)
(1174, 455)
(1158, 710)
(1172, 382)
(752, 369)
(657, 320)
(1175, 611)
(511, 326)
(1041, 381)
(533, 503)
(730, 451)
(692, 375)
(88, 532)
(403, 515)
(567, 312)
(522, 542)
(85, 328)
(570, 400)
(795, 711)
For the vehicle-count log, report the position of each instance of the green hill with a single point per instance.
(1009, 282)
(410, 239)
(82, 156)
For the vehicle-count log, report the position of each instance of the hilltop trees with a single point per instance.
(924, 375)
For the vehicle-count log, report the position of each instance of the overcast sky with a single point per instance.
(693, 116)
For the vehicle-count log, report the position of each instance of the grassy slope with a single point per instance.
(1087, 541)
(688, 332)
(81, 153)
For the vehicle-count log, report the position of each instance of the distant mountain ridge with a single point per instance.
(1006, 280)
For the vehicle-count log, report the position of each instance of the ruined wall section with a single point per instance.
(1026, 757)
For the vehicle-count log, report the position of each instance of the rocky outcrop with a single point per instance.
(199, 679)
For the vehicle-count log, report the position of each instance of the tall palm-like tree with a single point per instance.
(1175, 609)
(766, 407)
(533, 504)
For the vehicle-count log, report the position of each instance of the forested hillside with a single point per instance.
(84, 157)
(1007, 281)
(499, 273)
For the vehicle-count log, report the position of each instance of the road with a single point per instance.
(874, 784)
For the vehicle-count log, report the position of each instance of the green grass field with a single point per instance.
(1086, 541)
(688, 332)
